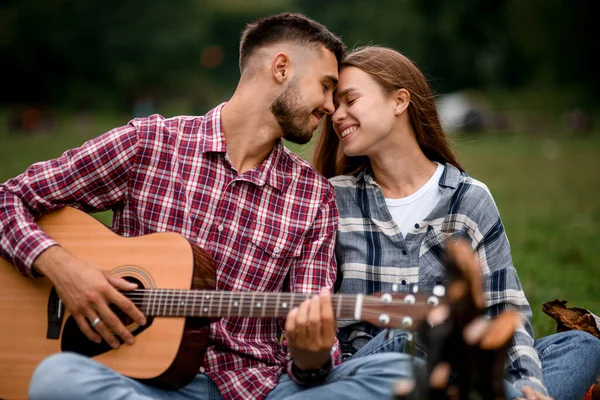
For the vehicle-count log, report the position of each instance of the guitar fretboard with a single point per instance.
(217, 304)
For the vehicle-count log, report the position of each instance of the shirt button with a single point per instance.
(403, 252)
(201, 370)
(417, 226)
(276, 249)
(220, 228)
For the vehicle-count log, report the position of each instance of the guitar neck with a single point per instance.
(218, 304)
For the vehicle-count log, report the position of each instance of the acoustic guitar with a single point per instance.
(176, 281)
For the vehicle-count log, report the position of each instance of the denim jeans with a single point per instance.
(68, 376)
(570, 360)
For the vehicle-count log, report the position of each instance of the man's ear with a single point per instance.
(280, 67)
(402, 100)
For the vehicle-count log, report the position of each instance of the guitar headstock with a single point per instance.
(401, 310)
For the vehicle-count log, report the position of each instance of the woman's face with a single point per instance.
(364, 115)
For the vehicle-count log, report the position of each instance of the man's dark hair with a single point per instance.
(288, 27)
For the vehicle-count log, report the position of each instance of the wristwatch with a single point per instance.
(310, 377)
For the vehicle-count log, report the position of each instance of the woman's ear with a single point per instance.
(402, 100)
(280, 67)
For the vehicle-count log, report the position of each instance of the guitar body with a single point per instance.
(167, 351)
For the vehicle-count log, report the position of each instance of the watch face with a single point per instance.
(312, 375)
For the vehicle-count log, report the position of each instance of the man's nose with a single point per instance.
(329, 107)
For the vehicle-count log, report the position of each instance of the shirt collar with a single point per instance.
(211, 135)
(450, 177)
(276, 169)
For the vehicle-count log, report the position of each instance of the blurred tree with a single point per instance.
(74, 53)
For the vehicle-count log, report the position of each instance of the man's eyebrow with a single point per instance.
(332, 79)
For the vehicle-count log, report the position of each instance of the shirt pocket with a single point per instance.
(277, 242)
(431, 253)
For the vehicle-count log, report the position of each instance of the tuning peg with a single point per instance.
(415, 289)
(384, 319)
(407, 322)
(433, 301)
(410, 299)
(395, 288)
(439, 290)
(386, 298)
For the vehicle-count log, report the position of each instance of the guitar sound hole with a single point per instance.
(126, 319)
(74, 340)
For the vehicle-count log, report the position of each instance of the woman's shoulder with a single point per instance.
(342, 181)
(473, 197)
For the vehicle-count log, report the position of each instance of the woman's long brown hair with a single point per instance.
(392, 71)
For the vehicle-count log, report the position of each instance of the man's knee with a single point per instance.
(53, 374)
(397, 364)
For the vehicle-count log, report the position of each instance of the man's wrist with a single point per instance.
(310, 377)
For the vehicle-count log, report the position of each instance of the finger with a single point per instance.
(328, 323)
(403, 387)
(465, 259)
(127, 307)
(314, 323)
(112, 324)
(86, 329)
(119, 283)
(439, 376)
(291, 323)
(475, 330)
(501, 330)
(302, 323)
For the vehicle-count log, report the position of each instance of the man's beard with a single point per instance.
(292, 118)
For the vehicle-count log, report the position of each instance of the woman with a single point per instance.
(401, 195)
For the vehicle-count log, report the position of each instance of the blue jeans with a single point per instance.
(570, 360)
(67, 376)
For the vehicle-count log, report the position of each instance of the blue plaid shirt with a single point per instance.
(373, 255)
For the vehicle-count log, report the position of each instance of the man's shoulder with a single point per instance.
(159, 122)
(304, 170)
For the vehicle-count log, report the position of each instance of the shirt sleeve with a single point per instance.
(316, 267)
(92, 177)
(503, 291)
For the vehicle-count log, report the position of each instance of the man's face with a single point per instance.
(300, 107)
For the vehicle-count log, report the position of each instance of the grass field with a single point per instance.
(546, 187)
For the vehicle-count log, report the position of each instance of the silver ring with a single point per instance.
(95, 322)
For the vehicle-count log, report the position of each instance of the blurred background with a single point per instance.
(516, 83)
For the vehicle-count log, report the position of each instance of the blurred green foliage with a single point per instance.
(106, 54)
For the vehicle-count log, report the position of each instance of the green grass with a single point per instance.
(546, 188)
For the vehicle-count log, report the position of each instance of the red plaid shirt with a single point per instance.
(269, 229)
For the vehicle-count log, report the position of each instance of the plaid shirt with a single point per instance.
(372, 256)
(269, 229)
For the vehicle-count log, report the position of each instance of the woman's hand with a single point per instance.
(311, 330)
(532, 394)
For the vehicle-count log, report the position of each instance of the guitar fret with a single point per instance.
(251, 304)
(241, 304)
(229, 307)
(220, 302)
(264, 305)
(339, 306)
(181, 304)
(277, 305)
(201, 294)
(206, 310)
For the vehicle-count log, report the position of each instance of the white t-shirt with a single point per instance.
(411, 210)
